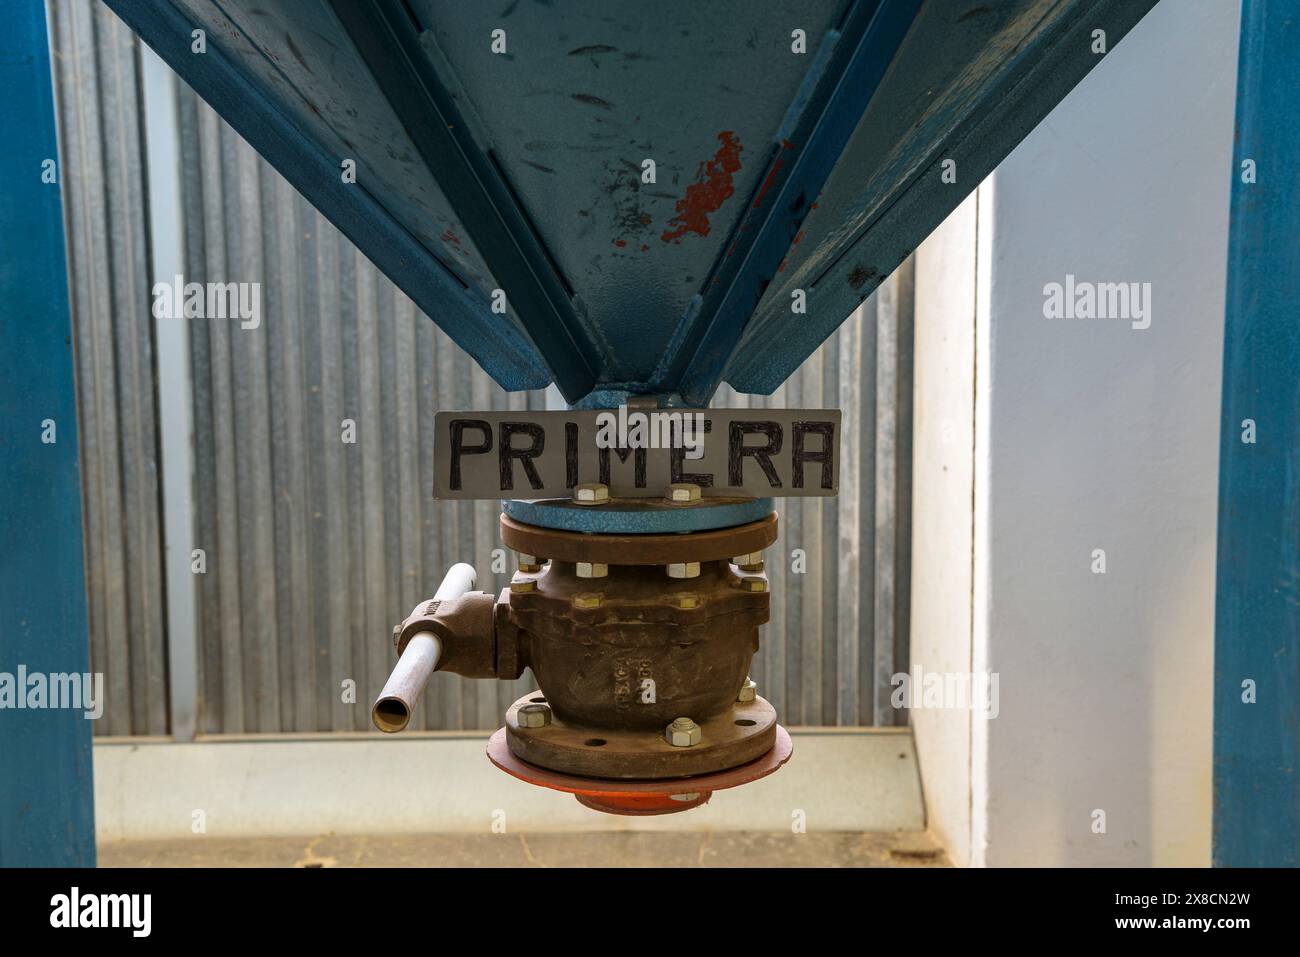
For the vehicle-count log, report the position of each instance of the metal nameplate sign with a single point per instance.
(636, 452)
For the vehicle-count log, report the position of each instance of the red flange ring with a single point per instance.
(641, 797)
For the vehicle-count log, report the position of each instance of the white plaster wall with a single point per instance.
(942, 456)
(1089, 435)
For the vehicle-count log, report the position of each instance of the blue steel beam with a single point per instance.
(779, 168)
(46, 785)
(857, 56)
(1257, 623)
(388, 41)
(587, 91)
(967, 84)
(261, 113)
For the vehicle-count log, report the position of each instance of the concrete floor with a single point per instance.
(591, 849)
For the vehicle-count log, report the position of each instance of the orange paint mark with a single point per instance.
(771, 175)
(620, 243)
(712, 188)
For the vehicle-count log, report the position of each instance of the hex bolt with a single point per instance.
(590, 493)
(586, 601)
(747, 691)
(530, 564)
(522, 586)
(753, 583)
(683, 733)
(753, 562)
(684, 570)
(684, 492)
(592, 569)
(534, 716)
(688, 601)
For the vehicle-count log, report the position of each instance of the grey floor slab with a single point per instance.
(596, 849)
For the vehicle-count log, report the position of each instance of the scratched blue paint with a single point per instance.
(1257, 625)
(585, 93)
(617, 518)
(46, 783)
(520, 168)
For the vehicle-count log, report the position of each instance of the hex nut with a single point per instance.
(748, 691)
(586, 601)
(522, 586)
(590, 493)
(684, 492)
(753, 583)
(683, 733)
(688, 601)
(753, 562)
(592, 569)
(684, 570)
(534, 716)
(530, 564)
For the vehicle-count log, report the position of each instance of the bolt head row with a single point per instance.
(597, 493)
(683, 733)
(684, 570)
(748, 691)
(590, 493)
(684, 492)
(534, 716)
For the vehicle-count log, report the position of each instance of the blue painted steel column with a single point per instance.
(1257, 641)
(46, 793)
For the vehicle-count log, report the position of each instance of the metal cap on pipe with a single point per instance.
(396, 703)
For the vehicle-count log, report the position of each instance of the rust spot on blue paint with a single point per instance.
(712, 188)
(860, 275)
(770, 179)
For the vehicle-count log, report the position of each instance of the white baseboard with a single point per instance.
(842, 780)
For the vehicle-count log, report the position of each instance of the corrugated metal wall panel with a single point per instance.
(97, 84)
(315, 546)
(840, 568)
